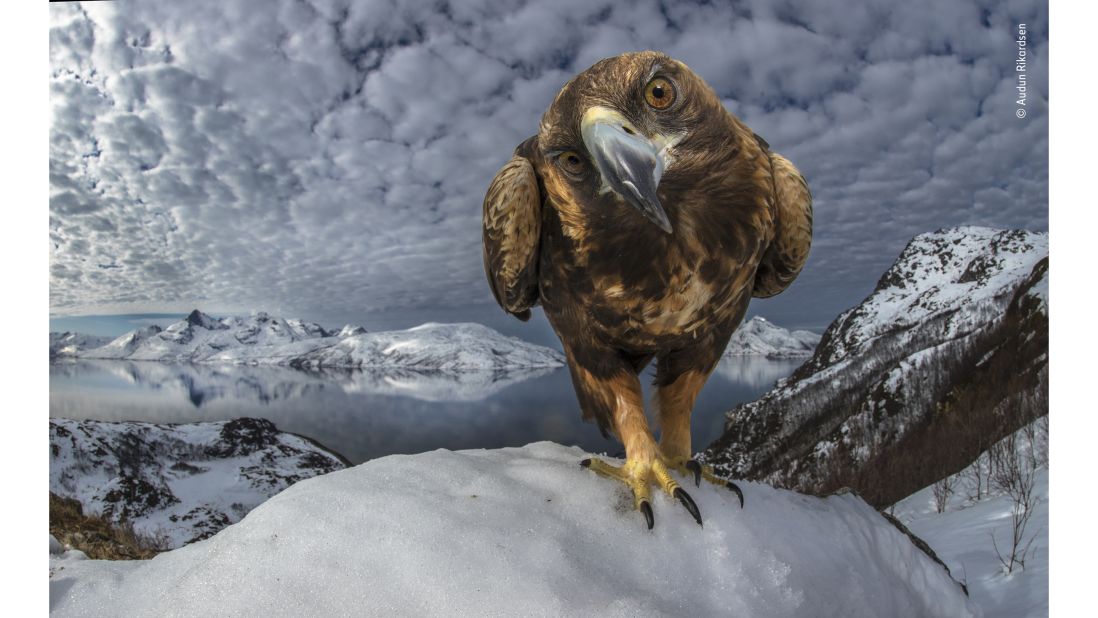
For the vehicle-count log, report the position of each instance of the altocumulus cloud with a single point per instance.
(328, 158)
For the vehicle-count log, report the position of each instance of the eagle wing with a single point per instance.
(788, 251)
(512, 230)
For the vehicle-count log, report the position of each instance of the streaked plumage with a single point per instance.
(643, 227)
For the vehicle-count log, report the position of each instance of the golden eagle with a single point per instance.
(643, 217)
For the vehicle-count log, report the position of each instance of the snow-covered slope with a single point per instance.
(976, 510)
(71, 344)
(178, 483)
(264, 340)
(521, 532)
(761, 337)
(124, 345)
(959, 322)
(954, 279)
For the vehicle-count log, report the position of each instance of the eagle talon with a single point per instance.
(736, 489)
(688, 502)
(696, 468)
(705, 472)
(637, 476)
(646, 509)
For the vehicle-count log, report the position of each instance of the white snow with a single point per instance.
(761, 337)
(962, 538)
(521, 531)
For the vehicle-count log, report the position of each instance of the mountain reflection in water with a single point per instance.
(376, 412)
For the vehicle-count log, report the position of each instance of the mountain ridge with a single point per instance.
(895, 377)
(261, 339)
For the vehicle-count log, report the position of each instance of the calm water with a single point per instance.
(368, 414)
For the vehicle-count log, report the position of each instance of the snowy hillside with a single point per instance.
(952, 281)
(959, 322)
(264, 340)
(522, 531)
(178, 483)
(71, 344)
(960, 516)
(761, 337)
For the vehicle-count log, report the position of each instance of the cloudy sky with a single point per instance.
(327, 159)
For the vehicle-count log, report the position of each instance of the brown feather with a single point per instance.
(788, 252)
(512, 230)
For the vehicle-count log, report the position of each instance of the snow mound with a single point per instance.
(522, 531)
(761, 337)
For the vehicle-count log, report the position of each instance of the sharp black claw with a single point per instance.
(736, 489)
(696, 468)
(688, 502)
(586, 463)
(646, 509)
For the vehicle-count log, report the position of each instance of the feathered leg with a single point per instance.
(675, 399)
(643, 465)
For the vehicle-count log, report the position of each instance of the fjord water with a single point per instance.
(372, 413)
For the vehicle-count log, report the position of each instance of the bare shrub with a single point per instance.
(1015, 475)
(942, 490)
(977, 478)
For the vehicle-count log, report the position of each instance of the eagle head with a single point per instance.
(618, 129)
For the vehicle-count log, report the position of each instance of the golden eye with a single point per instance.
(571, 162)
(660, 93)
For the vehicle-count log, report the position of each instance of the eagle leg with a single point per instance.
(677, 390)
(637, 477)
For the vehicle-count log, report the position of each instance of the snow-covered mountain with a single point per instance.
(125, 345)
(432, 346)
(761, 337)
(71, 344)
(950, 351)
(178, 483)
(521, 531)
(264, 340)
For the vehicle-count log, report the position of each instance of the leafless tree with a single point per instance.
(1015, 475)
(942, 490)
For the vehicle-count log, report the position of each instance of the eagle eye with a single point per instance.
(660, 93)
(571, 162)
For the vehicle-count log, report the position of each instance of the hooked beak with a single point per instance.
(631, 165)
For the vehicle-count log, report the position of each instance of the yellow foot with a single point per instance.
(691, 467)
(637, 476)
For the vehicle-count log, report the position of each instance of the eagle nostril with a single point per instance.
(629, 130)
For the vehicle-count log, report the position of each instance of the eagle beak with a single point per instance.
(631, 165)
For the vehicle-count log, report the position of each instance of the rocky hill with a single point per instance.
(178, 483)
(72, 344)
(947, 355)
(761, 337)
